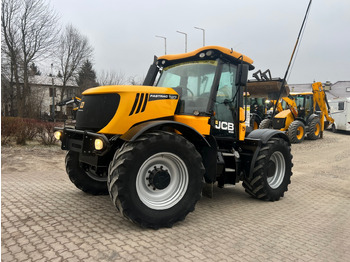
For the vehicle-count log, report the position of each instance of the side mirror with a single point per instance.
(242, 75)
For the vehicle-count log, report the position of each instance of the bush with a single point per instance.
(8, 129)
(45, 132)
(22, 130)
(25, 130)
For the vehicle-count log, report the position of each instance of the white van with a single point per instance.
(340, 112)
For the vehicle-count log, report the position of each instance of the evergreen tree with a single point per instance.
(86, 77)
(34, 70)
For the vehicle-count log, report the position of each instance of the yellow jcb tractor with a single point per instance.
(152, 147)
(305, 115)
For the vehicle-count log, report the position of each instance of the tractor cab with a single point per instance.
(211, 99)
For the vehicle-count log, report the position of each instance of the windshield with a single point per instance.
(193, 81)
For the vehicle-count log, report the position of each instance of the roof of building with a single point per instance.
(338, 89)
(47, 81)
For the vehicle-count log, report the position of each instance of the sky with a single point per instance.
(123, 33)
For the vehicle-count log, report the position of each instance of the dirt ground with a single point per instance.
(329, 156)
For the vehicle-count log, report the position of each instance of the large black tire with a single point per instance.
(265, 124)
(314, 129)
(296, 132)
(83, 177)
(334, 129)
(272, 171)
(255, 121)
(156, 180)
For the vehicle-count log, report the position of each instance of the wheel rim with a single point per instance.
(317, 129)
(276, 170)
(162, 181)
(89, 171)
(300, 132)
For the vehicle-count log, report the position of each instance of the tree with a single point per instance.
(74, 49)
(86, 77)
(111, 78)
(34, 70)
(29, 30)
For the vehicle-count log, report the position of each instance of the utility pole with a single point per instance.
(185, 39)
(164, 40)
(53, 94)
(203, 30)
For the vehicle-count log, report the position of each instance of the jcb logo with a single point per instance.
(222, 125)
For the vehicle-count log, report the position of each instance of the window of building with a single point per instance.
(341, 106)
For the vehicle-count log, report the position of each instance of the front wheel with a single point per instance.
(314, 129)
(84, 176)
(156, 180)
(296, 131)
(272, 171)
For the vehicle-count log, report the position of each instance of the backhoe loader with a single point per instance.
(305, 115)
(152, 147)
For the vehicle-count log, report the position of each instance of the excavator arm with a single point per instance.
(320, 99)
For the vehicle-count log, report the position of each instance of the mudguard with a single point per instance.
(260, 137)
(265, 134)
(188, 132)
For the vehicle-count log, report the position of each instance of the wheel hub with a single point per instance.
(159, 178)
(271, 169)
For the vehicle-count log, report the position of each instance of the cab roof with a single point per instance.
(205, 53)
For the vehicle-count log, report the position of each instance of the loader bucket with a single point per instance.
(267, 89)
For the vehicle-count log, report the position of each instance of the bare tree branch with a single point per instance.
(74, 49)
(111, 78)
(29, 33)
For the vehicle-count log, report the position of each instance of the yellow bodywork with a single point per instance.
(200, 123)
(224, 50)
(123, 120)
(285, 114)
(136, 106)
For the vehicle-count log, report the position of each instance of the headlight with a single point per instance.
(98, 144)
(58, 135)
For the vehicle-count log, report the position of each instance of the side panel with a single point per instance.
(201, 124)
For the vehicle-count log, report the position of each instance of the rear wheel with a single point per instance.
(84, 177)
(296, 131)
(272, 171)
(334, 129)
(156, 180)
(265, 124)
(314, 129)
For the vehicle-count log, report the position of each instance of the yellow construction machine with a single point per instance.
(305, 114)
(152, 147)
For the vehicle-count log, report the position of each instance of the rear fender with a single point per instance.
(255, 140)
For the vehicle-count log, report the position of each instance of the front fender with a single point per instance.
(188, 132)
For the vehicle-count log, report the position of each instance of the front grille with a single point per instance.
(278, 123)
(96, 111)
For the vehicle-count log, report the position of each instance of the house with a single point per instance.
(48, 90)
(45, 92)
